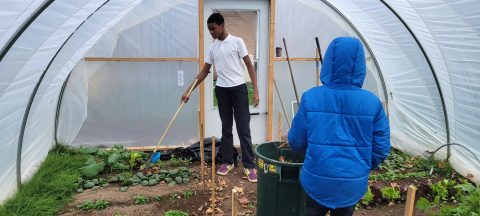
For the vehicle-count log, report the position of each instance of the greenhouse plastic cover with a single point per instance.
(423, 60)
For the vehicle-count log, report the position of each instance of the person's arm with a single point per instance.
(200, 77)
(297, 136)
(253, 77)
(381, 138)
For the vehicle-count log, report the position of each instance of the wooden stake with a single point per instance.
(410, 200)
(213, 173)
(202, 152)
(279, 129)
(234, 202)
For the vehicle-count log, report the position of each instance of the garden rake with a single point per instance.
(156, 155)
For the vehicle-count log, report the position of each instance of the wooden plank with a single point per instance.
(271, 68)
(296, 59)
(108, 59)
(201, 62)
(410, 204)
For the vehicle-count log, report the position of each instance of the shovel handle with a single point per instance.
(175, 116)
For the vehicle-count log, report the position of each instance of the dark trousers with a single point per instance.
(315, 209)
(233, 102)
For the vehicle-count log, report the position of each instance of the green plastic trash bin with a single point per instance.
(278, 188)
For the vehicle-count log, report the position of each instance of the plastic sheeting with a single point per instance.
(135, 110)
(19, 11)
(131, 103)
(95, 100)
(299, 32)
(21, 69)
(450, 34)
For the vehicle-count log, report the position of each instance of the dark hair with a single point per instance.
(216, 18)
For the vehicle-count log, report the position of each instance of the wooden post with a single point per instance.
(317, 70)
(279, 128)
(234, 202)
(410, 204)
(213, 173)
(201, 62)
(271, 67)
(202, 152)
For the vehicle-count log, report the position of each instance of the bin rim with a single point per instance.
(273, 160)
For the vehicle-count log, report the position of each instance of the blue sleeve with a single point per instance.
(381, 138)
(297, 136)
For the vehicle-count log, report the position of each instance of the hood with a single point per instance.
(344, 63)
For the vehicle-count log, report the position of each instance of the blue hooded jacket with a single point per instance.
(342, 128)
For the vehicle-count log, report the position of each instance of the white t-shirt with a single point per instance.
(227, 56)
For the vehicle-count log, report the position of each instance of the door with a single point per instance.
(247, 19)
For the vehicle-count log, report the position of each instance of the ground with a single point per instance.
(122, 203)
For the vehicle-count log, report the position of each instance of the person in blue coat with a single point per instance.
(343, 131)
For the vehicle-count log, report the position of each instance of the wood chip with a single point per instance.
(243, 200)
(239, 190)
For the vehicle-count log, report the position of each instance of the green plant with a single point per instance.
(159, 198)
(393, 175)
(174, 197)
(469, 203)
(368, 197)
(89, 204)
(390, 193)
(51, 188)
(187, 194)
(441, 189)
(173, 162)
(175, 213)
(93, 184)
(437, 167)
(140, 200)
(117, 158)
(396, 160)
(423, 204)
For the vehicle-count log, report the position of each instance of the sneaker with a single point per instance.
(251, 174)
(224, 169)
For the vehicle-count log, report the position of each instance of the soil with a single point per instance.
(122, 203)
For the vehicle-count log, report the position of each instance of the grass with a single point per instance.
(50, 189)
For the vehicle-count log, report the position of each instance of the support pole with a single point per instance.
(213, 173)
(202, 152)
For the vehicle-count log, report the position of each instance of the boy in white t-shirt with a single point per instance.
(227, 53)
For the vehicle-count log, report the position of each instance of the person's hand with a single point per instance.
(256, 99)
(185, 97)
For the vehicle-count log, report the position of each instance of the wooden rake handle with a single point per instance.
(175, 116)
